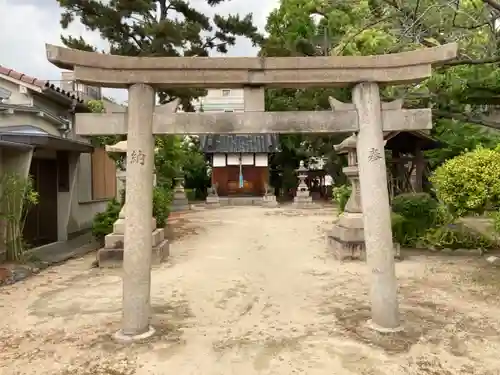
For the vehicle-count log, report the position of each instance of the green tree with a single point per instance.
(157, 28)
(457, 91)
(97, 106)
(195, 167)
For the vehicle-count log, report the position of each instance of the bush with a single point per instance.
(455, 236)
(103, 221)
(495, 216)
(191, 194)
(413, 215)
(398, 224)
(469, 183)
(341, 195)
(161, 206)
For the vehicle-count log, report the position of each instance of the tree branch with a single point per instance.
(488, 60)
(478, 120)
(366, 27)
(493, 4)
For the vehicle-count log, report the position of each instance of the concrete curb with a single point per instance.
(12, 273)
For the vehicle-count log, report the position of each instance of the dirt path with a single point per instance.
(254, 291)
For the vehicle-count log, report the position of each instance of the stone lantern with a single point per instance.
(111, 255)
(347, 238)
(302, 197)
(121, 173)
(180, 201)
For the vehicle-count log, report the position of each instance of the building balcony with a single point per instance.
(80, 90)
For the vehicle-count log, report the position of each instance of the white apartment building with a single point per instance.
(221, 100)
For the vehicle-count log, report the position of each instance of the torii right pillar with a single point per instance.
(376, 209)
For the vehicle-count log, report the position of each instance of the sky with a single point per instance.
(26, 25)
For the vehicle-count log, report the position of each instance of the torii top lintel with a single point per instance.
(226, 72)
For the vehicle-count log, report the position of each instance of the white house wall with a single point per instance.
(76, 209)
(261, 160)
(219, 160)
(233, 159)
(19, 96)
(247, 159)
(215, 101)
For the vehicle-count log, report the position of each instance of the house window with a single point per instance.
(226, 92)
(80, 87)
(103, 175)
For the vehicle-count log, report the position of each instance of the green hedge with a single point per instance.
(413, 215)
(341, 195)
(102, 224)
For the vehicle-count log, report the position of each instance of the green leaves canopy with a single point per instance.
(157, 28)
(457, 91)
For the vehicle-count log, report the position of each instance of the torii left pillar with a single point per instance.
(139, 198)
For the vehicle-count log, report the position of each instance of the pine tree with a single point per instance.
(157, 28)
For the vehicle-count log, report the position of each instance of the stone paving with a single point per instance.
(40, 258)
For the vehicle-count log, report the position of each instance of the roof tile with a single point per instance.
(44, 85)
(265, 143)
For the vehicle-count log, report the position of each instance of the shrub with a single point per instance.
(455, 236)
(161, 206)
(341, 195)
(17, 196)
(191, 194)
(398, 224)
(470, 182)
(103, 221)
(496, 221)
(413, 215)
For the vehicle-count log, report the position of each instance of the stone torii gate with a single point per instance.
(365, 116)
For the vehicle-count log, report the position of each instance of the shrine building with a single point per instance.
(240, 163)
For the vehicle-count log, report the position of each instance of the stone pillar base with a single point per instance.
(269, 201)
(213, 201)
(384, 330)
(347, 239)
(111, 255)
(121, 338)
(179, 205)
(303, 201)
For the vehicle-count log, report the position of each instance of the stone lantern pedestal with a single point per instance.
(111, 255)
(180, 201)
(212, 199)
(302, 197)
(347, 238)
(269, 198)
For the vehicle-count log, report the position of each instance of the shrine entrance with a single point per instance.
(367, 116)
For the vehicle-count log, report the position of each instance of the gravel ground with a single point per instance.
(249, 290)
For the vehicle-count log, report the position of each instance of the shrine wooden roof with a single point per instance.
(408, 142)
(221, 143)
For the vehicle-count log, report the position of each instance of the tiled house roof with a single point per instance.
(265, 143)
(45, 86)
